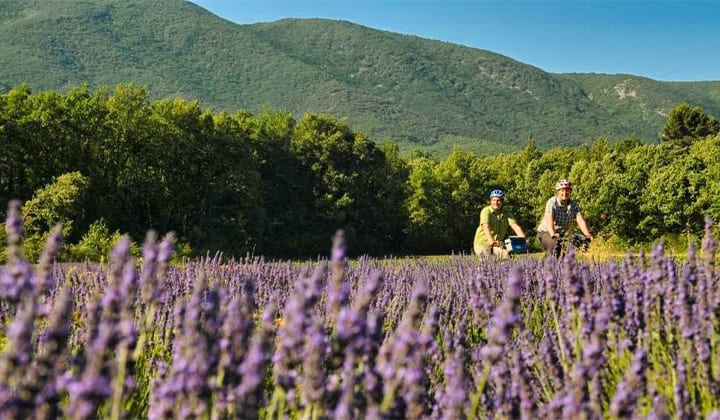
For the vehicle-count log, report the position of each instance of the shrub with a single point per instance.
(97, 243)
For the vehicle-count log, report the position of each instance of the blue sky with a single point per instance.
(663, 40)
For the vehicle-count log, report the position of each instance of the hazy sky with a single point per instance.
(663, 40)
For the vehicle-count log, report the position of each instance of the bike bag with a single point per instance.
(515, 244)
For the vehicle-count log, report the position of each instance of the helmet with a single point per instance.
(497, 193)
(563, 183)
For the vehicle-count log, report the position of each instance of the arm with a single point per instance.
(550, 223)
(488, 234)
(517, 229)
(583, 226)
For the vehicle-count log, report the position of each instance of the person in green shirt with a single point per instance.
(493, 229)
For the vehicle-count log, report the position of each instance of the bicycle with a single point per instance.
(577, 240)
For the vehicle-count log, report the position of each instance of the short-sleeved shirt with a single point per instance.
(563, 215)
(499, 223)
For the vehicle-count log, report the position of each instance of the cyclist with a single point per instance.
(493, 229)
(560, 211)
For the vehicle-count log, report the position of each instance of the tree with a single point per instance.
(59, 202)
(283, 215)
(205, 175)
(445, 201)
(425, 205)
(687, 124)
(354, 185)
(669, 199)
(709, 152)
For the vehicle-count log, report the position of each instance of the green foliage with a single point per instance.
(229, 182)
(420, 93)
(356, 187)
(641, 105)
(445, 201)
(285, 204)
(670, 198)
(708, 151)
(687, 124)
(60, 202)
(97, 244)
(630, 193)
(269, 184)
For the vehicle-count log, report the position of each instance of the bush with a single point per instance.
(58, 202)
(97, 243)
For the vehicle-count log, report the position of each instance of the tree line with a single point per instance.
(109, 162)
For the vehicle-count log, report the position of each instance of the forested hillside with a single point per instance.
(423, 94)
(105, 163)
(643, 102)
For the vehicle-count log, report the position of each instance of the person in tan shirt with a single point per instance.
(560, 213)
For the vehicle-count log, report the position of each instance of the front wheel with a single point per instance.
(580, 242)
(577, 240)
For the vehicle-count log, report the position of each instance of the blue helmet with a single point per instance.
(497, 193)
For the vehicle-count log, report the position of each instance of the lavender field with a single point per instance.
(378, 339)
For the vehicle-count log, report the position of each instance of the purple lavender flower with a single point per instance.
(624, 401)
(14, 223)
(93, 388)
(164, 254)
(573, 280)
(715, 415)
(237, 330)
(15, 280)
(53, 343)
(313, 354)
(709, 243)
(504, 319)
(86, 396)
(250, 396)
(148, 281)
(286, 359)
(455, 394)
(339, 246)
(658, 409)
(372, 380)
(520, 339)
(681, 398)
(346, 409)
(44, 278)
(16, 369)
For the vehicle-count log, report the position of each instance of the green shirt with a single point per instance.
(499, 223)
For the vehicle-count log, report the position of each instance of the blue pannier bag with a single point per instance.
(515, 244)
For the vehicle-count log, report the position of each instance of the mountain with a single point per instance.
(421, 93)
(641, 103)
